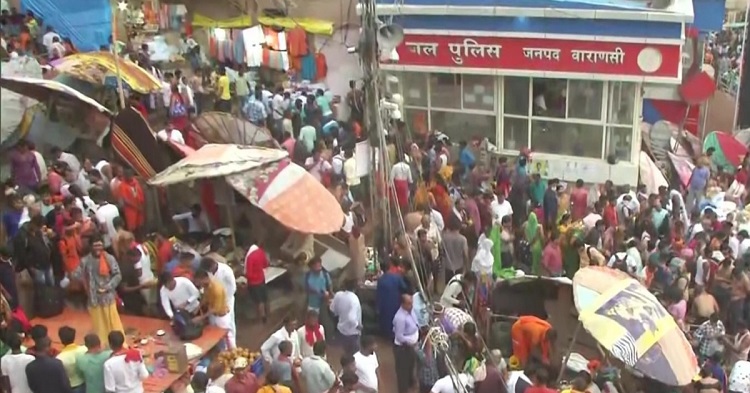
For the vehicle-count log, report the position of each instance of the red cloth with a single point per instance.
(579, 199)
(741, 176)
(539, 389)
(402, 192)
(131, 355)
(164, 254)
(313, 335)
(207, 201)
(733, 149)
(255, 262)
(609, 216)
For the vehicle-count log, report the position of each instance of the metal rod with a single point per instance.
(741, 68)
(120, 90)
(570, 349)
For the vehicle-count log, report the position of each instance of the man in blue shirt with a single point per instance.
(697, 184)
(318, 284)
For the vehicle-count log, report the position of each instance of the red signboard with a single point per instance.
(532, 54)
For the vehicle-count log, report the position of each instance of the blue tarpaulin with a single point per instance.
(88, 23)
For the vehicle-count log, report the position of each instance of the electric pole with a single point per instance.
(368, 51)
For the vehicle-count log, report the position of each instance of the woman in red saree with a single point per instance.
(178, 112)
(132, 201)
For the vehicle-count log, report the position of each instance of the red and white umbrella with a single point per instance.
(288, 193)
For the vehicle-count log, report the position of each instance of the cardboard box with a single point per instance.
(175, 359)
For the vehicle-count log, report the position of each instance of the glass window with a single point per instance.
(414, 88)
(479, 92)
(445, 91)
(549, 97)
(582, 140)
(585, 99)
(516, 95)
(515, 133)
(463, 126)
(621, 103)
(619, 142)
(416, 120)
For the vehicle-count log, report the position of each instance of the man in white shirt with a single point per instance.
(179, 292)
(744, 246)
(500, 208)
(48, 38)
(13, 365)
(316, 372)
(105, 215)
(316, 165)
(446, 384)
(346, 306)
(350, 173)
(270, 348)
(457, 285)
(225, 275)
(145, 275)
(280, 104)
(124, 371)
(366, 364)
(197, 220)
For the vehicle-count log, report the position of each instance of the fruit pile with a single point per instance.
(227, 357)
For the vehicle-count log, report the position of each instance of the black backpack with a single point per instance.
(184, 327)
(49, 301)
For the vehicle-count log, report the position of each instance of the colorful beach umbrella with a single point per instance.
(102, 68)
(632, 325)
(728, 151)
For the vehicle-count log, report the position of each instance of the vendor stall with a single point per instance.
(138, 329)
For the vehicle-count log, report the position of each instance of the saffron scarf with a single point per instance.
(313, 335)
(103, 264)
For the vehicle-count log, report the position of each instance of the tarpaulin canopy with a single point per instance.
(220, 127)
(632, 325)
(312, 26)
(88, 23)
(13, 105)
(44, 89)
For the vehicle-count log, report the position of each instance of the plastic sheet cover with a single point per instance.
(12, 105)
(88, 23)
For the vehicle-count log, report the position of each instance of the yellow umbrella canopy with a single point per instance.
(101, 67)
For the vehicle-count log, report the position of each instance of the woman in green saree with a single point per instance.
(534, 235)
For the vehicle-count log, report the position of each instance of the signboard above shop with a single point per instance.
(480, 53)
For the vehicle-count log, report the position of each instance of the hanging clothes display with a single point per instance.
(275, 54)
(321, 67)
(297, 42)
(253, 39)
(308, 70)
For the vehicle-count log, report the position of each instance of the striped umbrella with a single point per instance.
(728, 151)
(630, 323)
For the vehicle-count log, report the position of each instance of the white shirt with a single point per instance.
(451, 292)
(437, 219)
(513, 379)
(90, 204)
(14, 367)
(166, 93)
(445, 384)
(124, 377)
(625, 257)
(319, 167)
(47, 39)
(72, 162)
(401, 171)
(337, 163)
(100, 166)
(367, 369)
(346, 306)
(225, 275)
(305, 349)
(590, 220)
(278, 107)
(348, 223)
(42, 164)
(734, 245)
(739, 379)
(106, 214)
(500, 210)
(147, 275)
(350, 171)
(270, 348)
(198, 224)
(184, 292)
(743, 248)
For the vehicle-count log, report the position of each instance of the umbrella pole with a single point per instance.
(231, 228)
(116, 56)
(570, 349)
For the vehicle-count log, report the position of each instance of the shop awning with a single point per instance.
(312, 26)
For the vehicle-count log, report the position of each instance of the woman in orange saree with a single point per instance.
(132, 200)
(443, 202)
